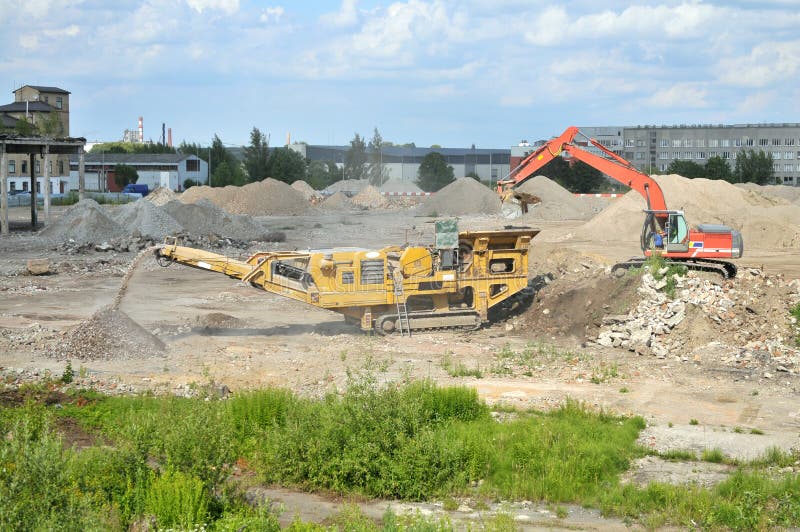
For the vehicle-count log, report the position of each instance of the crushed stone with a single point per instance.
(161, 196)
(370, 198)
(262, 198)
(147, 218)
(84, 222)
(557, 203)
(463, 196)
(337, 202)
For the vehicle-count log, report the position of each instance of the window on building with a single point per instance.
(713, 143)
(58, 102)
(192, 165)
(737, 143)
(46, 99)
(676, 143)
(725, 143)
(50, 167)
(662, 167)
(61, 167)
(776, 142)
(726, 155)
(664, 143)
(749, 142)
(776, 167)
(700, 143)
(789, 142)
(13, 185)
(24, 169)
(712, 154)
(700, 155)
(638, 155)
(763, 142)
(788, 155)
(12, 166)
(38, 187)
(663, 155)
(776, 156)
(629, 143)
(38, 167)
(640, 143)
(788, 168)
(24, 185)
(687, 143)
(788, 180)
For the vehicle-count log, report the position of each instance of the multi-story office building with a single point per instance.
(653, 148)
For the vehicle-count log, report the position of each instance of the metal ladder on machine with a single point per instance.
(403, 324)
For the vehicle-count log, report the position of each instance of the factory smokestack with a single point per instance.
(163, 134)
(169, 137)
(141, 130)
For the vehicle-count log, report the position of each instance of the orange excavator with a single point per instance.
(665, 231)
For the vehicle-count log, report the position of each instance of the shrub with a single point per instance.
(178, 500)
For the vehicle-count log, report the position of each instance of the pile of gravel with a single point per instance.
(305, 189)
(370, 198)
(557, 203)
(161, 196)
(463, 196)
(262, 198)
(337, 202)
(206, 218)
(108, 335)
(147, 218)
(84, 222)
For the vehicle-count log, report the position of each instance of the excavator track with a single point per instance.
(726, 269)
(430, 321)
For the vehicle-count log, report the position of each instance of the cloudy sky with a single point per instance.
(429, 71)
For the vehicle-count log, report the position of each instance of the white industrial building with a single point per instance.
(154, 169)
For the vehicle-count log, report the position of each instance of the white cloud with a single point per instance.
(29, 41)
(347, 15)
(227, 6)
(766, 64)
(271, 14)
(679, 95)
(70, 31)
(757, 102)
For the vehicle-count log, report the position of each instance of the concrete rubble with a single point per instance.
(742, 322)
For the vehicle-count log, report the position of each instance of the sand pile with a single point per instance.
(204, 218)
(84, 222)
(262, 198)
(147, 218)
(763, 224)
(463, 196)
(790, 194)
(557, 203)
(161, 196)
(351, 187)
(370, 198)
(337, 202)
(305, 189)
(109, 335)
(400, 185)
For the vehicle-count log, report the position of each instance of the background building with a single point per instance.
(154, 169)
(43, 107)
(401, 162)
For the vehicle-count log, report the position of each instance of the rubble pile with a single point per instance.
(463, 196)
(742, 323)
(161, 196)
(337, 202)
(557, 203)
(370, 198)
(84, 222)
(305, 189)
(262, 198)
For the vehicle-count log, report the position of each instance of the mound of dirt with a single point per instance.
(575, 303)
(790, 194)
(204, 218)
(147, 218)
(305, 189)
(557, 203)
(84, 222)
(400, 185)
(262, 198)
(161, 196)
(370, 198)
(351, 187)
(109, 335)
(763, 222)
(337, 202)
(463, 196)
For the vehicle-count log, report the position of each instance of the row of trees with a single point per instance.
(751, 167)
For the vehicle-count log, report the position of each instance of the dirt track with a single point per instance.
(274, 341)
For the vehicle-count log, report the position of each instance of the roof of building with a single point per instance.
(8, 120)
(135, 158)
(22, 107)
(44, 88)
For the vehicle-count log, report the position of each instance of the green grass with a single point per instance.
(795, 313)
(459, 369)
(171, 459)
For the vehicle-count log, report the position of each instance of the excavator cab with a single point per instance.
(666, 231)
(677, 232)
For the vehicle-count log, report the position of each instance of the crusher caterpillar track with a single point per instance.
(454, 284)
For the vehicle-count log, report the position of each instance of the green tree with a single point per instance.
(754, 167)
(322, 173)
(688, 169)
(557, 170)
(125, 175)
(193, 149)
(218, 155)
(356, 159)
(287, 165)
(434, 173)
(225, 175)
(256, 156)
(718, 168)
(51, 125)
(24, 128)
(375, 171)
(131, 147)
(584, 178)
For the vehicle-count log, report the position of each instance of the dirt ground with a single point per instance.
(222, 332)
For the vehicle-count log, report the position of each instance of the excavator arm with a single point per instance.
(615, 167)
